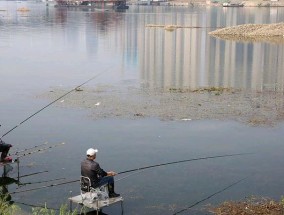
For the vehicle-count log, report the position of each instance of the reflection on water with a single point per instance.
(183, 58)
(189, 58)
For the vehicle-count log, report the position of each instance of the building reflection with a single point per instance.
(189, 58)
(184, 58)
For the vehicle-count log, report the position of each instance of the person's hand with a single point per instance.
(112, 173)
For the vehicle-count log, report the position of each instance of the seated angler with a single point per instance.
(4, 149)
(91, 169)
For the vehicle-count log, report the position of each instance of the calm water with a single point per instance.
(48, 47)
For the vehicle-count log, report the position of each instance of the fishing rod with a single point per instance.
(35, 173)
(46, 186)
(38, 182)
(7, 181)
(39, 150)
(134, 173)
(34, 206)
(51, 103)
(137, 169)
(182, 161)
(210, 196)
(27, 149)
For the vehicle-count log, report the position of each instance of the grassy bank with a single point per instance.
(8, 208)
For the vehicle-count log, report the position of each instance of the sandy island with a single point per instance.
(273, 33)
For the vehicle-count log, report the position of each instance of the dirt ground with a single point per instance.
(253, 108)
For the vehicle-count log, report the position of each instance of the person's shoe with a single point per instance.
(114, 195)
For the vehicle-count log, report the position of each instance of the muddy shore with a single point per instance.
(253, 108)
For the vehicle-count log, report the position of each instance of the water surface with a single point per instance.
(48, 47)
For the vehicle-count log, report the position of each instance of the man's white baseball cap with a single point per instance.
(92, 151)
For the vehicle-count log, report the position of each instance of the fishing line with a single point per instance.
(182, 161)
(52, 103)
(210, 196)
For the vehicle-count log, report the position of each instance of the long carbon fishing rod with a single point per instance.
(131, 174)
(38, 182)
(27, 149)
(51, 104)
(182, 161)
(35, 173)
(34, 206)
(46, 186)
(210, 196)
(39, 150)
(138, 169)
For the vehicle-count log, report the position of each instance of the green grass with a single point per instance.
(62, 211)
(6, 208)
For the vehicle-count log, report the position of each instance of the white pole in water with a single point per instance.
(18, 166)
(121, 204)
(70, 202)
(97, 206)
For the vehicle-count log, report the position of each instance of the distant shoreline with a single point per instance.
(257, 3)
(188, 3)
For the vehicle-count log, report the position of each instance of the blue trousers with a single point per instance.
(106, 180)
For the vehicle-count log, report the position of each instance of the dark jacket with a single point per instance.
(92, 170)
(4, 146)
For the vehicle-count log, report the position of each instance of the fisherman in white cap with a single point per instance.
(91, 169)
